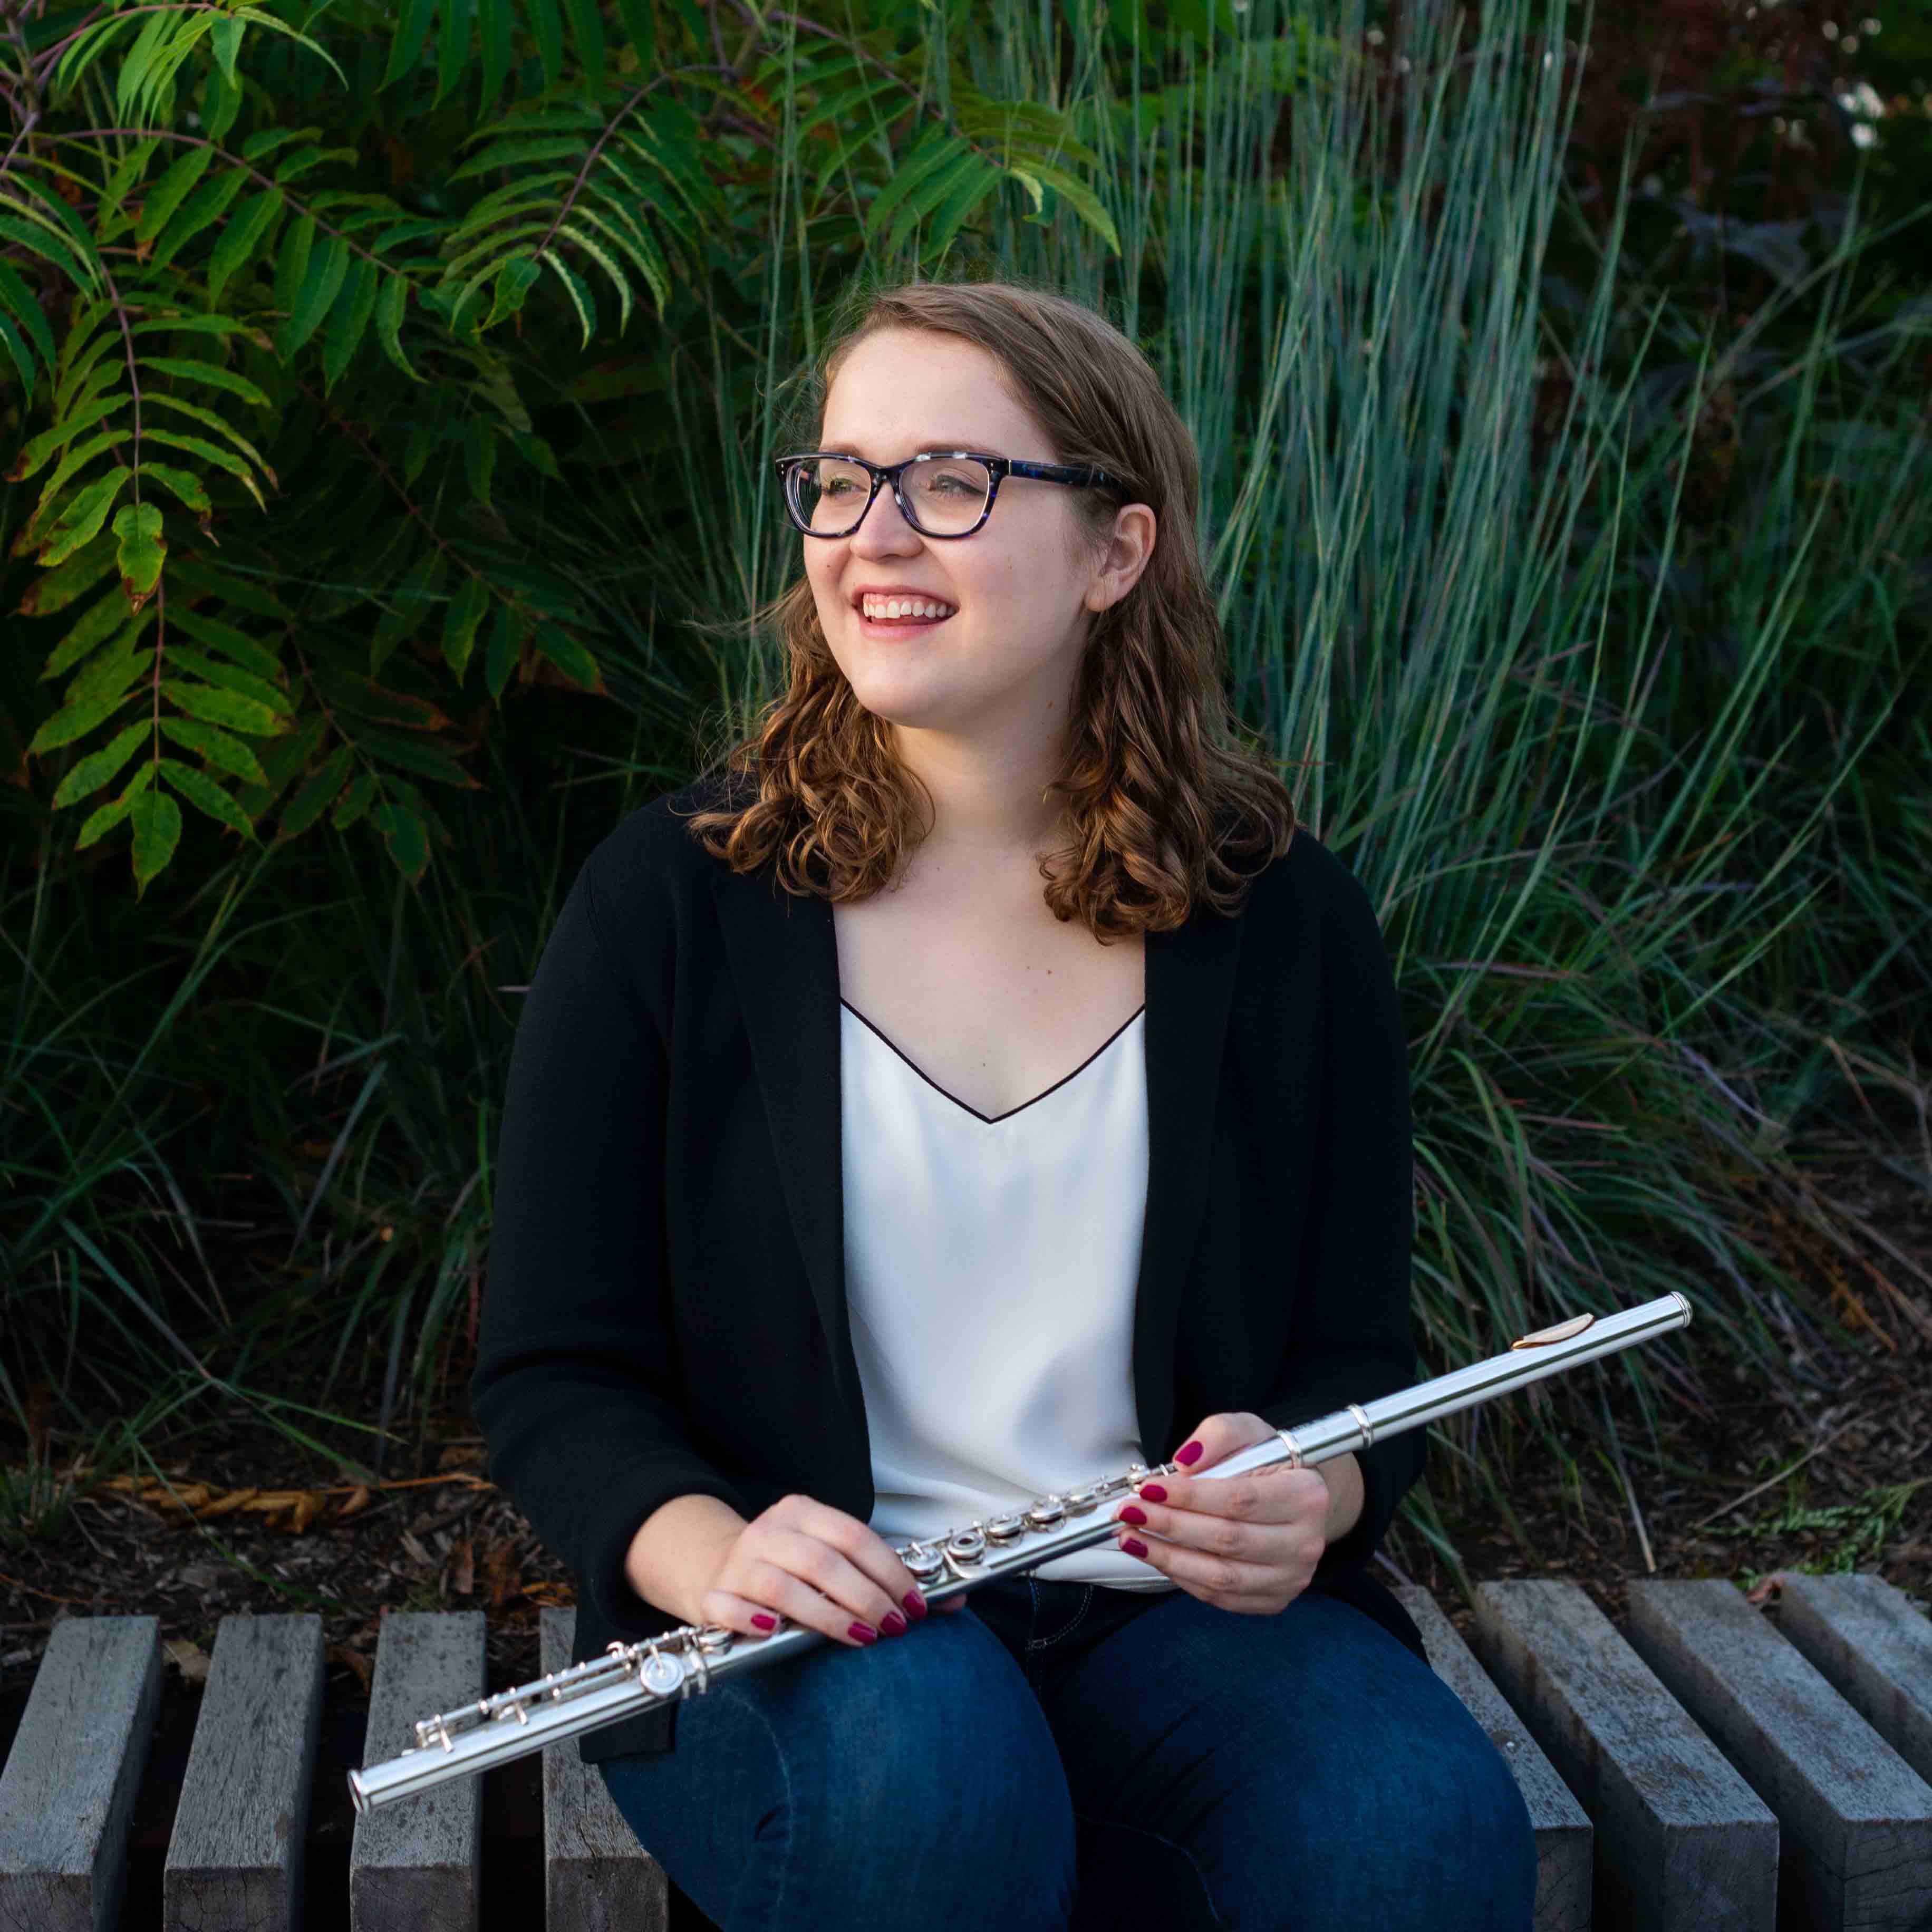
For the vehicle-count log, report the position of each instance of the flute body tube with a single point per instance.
(631, 1678)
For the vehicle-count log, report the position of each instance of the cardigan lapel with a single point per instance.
(783, 959)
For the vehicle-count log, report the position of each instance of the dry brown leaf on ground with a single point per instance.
(461, 1456)
(1771, 1586)
(302, 1507)
(463, 1568)
(184, 1495)
(364, 1670)
(504, 1569)
(188, 1658)
(308, 1505)
(235, 1499)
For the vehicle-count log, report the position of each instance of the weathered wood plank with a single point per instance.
(597, 1877)
(69, 1788)
(1855, 1819)
(235, 1860)
(1873, 1649)
(1563, 1830)
(414, 1866)
(1683, 1844)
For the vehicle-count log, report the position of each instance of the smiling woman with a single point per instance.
(1024, 1135)
(1008, 452)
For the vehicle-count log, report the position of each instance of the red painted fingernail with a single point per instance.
(763, 1622)
(1189, 1454)
(1133, 1546)
(915, 1603)
(1153, 1492)
(864, 1633)
(892, 1624)
(1130, 1514)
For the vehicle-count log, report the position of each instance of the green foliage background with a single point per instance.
(1568, 509)
(317, 239)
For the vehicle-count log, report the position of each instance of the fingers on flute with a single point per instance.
(801, 1605)
(818, 1608)
(836, 1593)
(737, 1613)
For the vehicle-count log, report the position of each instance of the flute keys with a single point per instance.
(1044, 1513)
(1081, 1501)
(714, 1637)
(661, 1673)
(968, 1546)
(926, 1564)
(1005, 1528)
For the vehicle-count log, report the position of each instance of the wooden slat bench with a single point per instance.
(1682, 1838)
(235, 1855)
(1711, 1767)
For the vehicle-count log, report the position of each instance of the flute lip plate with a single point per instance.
(1562, 1332)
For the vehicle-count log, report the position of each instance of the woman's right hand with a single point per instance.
(814, 1565)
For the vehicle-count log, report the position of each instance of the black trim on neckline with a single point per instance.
(994, 1120)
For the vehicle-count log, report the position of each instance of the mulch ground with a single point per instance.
(268, 1528)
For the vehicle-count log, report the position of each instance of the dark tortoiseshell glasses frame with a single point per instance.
(999, 468)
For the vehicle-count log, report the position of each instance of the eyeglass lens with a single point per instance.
(946, 493)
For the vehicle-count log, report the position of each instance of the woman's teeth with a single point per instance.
(890, 609)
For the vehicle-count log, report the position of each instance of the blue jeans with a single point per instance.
(1062, 1755)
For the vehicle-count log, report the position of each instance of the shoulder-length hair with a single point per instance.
(1155, 783)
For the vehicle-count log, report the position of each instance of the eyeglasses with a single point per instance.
(941, 492)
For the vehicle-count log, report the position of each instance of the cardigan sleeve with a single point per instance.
(575, 1386)
(1349, 1333)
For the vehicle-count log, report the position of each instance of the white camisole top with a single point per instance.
(991, 1267)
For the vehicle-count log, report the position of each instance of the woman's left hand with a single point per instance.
(1247, 1543)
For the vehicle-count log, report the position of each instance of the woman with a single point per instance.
(852, 1187)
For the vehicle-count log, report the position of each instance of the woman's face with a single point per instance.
(1021, 604)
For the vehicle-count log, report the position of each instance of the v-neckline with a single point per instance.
(993, 1119)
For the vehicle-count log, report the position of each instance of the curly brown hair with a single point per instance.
(1156, 784)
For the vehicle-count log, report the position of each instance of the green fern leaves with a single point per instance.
(275, 310)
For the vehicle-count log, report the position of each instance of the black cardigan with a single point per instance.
(664, 1311)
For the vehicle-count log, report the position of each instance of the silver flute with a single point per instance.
(633, 1677)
